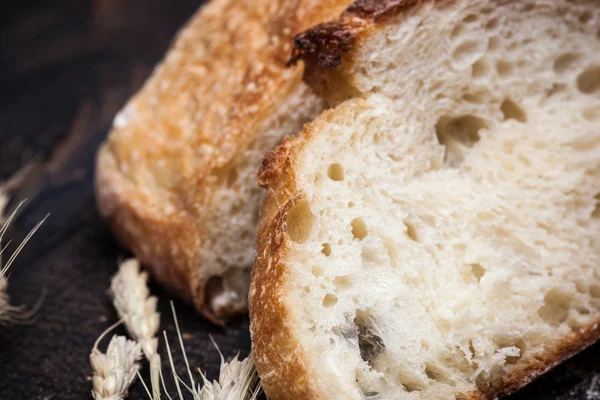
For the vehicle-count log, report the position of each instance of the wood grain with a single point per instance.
(66, 67)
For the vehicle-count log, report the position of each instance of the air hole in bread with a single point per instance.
(318, 179)
(351, 204)
(582, 310)
(480, 69)
(511, 110)
(213, 287)
(372, 257)
(490, 26)
(581, 286)
(370, 343)
(556, 307)
(457, 31)
(343, 281)
(592, 114)
(473, 98)
(596, 212)
(565, 62)
(471, 348)
(411, 382)
(584, 18)
(391, 250)
(478, 271)
(435, 373)
(317, 271)
(504, 68)
(326, 249)
(468, 52)
(359, 228)
(555, 89)
(300, 221)
(471, 18)
(335, 172)
(411, 231)
(513, 356)
(369, 394)
(428, 220)
(456, 133)
(528, 7)
(595, 291)
(588, 81)
(329, 300)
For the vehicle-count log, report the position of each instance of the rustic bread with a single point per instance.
(176, 178)
(435, 235)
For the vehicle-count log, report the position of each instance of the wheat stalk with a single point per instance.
(9, 313)
(137, 309)
(114, 371)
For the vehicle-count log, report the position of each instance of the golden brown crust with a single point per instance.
(179, 139)
(327, 49)
(531, 369)
(325, 44)
(278, 354)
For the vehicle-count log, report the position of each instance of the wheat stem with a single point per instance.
(187, 364)
(8, 313)
(175, 377)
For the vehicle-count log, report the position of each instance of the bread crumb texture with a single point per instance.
(448, 236)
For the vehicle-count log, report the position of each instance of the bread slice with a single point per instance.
(436, 234)
(176, 178)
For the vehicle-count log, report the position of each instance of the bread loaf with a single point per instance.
(436, 234)
(176, 178)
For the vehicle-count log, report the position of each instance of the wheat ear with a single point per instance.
(115, 370)
(238, 380)
(137, 309)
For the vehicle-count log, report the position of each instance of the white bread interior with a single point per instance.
(449, 232)
(232, 212)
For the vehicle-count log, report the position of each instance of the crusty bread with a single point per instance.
(176, 178)
(435, 235)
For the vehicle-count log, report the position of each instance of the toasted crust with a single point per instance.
(278, 354)
(179, 139)
(325, 44)
(329, 51)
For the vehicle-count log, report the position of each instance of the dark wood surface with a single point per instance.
(66, 67)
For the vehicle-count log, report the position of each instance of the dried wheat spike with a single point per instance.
(237, 380)
(115, 370)
(135, 306)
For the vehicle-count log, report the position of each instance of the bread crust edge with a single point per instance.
(134, 224)
(279, 355)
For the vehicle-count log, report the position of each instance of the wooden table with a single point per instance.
(66, 67)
